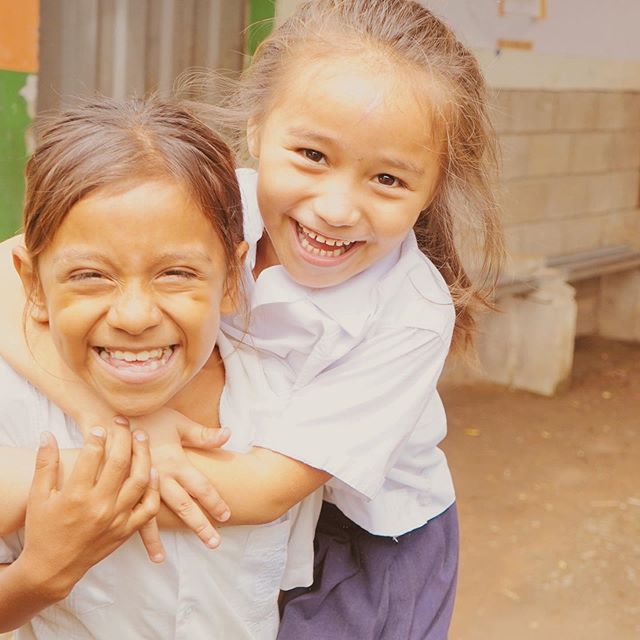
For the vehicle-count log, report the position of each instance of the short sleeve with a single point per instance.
(353, 418)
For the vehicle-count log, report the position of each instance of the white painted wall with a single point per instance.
(590, 28)
(583, 44)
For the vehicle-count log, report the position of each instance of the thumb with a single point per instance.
(45, 476)
(198, 436)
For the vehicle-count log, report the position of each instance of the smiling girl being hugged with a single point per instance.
(133, 247)
(368, 124)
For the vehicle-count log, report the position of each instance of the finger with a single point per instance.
(135, 486)
(117, 463)
(184, 506)
(87, 466)
(45, 475)
(149, 532)
(198, 436)
(197, 485)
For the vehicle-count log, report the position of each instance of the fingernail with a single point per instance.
(224, 432)
(45, 438)
(153, 475)
(121, 420)
(225, 515)
(98, 432)
(159, 557)
(140, 436)
(213, 541)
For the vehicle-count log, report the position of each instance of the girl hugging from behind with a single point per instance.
(368, 126)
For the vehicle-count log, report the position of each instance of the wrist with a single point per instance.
(49, 584)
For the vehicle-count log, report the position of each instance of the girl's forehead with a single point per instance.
(353, 91)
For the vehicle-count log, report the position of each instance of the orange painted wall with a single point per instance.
(19, 35)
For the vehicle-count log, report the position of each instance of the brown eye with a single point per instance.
(313, 155)
(387, 179)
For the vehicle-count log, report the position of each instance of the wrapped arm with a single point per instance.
(261, 485)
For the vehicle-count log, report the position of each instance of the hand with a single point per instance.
(108, 496)
(181, 484)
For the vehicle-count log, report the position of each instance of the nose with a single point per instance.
(134, 311)
(337, 206)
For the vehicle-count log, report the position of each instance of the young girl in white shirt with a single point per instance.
(367, 120)
(133, 246)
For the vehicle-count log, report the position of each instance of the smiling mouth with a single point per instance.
(319, 245)
(146, 360)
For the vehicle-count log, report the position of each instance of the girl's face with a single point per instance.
(347, 160)
(132, 286)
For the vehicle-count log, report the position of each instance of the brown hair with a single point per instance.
(463, 210)
(106, 144)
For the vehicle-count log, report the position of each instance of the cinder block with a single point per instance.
(582, 233)
(532, 110)
(542, 238)
(549, 154)
(612, 111)
(600, 196)
(590, 152)
(576, 111)
(621, 227)
(632, 111)
(515, 155)
(500, 111)
(525, 200)
(529, 345)
(568, 196)
(619, 306)
(624, 150)
(614, 191)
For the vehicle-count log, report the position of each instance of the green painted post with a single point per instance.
(13, 153)
(261, 15)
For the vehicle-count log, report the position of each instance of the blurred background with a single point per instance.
(544, 427)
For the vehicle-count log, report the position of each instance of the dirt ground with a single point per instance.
(549, 503)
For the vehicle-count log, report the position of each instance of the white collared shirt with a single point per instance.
(196, 593)
(355, 368)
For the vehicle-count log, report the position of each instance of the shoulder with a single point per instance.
(414, 294)
(20, 405)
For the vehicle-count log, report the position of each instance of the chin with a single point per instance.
(135, 407)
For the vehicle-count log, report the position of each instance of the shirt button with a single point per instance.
(187, 612)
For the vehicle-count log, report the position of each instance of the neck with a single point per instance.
(199, 400)
(265, 256)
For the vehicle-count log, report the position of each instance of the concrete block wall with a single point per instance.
(571, 169)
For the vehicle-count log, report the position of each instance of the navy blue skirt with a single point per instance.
(370, 587)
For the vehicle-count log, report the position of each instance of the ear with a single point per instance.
(23, 264)
(253, 137)
(233, 290)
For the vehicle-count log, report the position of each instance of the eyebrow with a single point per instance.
(403, 165)
(398, 163)
(309, 134)
(168, 256)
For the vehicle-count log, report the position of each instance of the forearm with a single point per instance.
(22, 594)
(260, 485)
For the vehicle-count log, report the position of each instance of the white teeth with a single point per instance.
(305, 234)
(153, 356)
